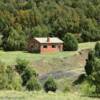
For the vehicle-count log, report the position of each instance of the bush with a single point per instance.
(33, 84)
(50, 85)
(21, 65)
(97, 49)
(88, 89)
(90, 63)
(27, 74)
(3, 76)
(17, 82)
(9, 79)
(70, 42)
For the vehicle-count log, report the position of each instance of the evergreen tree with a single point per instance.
(97, 49)
(48, 17)
(90, 63)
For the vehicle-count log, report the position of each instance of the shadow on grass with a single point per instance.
(94, 96)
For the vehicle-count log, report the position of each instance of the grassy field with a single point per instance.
(12, 95)
(87, 45)
(46, 63)
(59, 61)
(10, 57)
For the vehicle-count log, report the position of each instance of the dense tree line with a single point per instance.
(21, 19)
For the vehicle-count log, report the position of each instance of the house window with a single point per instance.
(45, 46)
(53, 46)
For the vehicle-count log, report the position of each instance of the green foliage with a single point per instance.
(2, 75)
(92, 70)
(9, 79)
(88, 89)
(13, 79)
(40, 31)
(80, 79)
(27, 74)
(93, 35)
(15, 40)
(21, 65)
(90, 63)
(95, 76)
(44, 18)
(50, 85)
(67, 89)
(33, 84)
(70, 42)
(97, 49)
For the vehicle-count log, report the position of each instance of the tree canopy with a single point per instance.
(47, 18)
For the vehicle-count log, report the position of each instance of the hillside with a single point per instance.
(56, 64)
(22, 19)
(67, 35)
(13, 55)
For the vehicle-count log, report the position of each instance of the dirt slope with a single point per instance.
(60, 67)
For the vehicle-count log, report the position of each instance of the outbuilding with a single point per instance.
(45, 44)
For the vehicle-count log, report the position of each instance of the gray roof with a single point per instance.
(52, 40)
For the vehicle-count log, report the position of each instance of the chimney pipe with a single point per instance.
(48, 39)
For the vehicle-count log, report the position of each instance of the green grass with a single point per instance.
(12, 95)
(10, 57)
(87, 45)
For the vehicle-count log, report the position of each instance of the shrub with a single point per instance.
(9, 79)
(3, 77)
(27, 74)
(33, 84)
(50, 85)
(90, 63)
(70, 42)
(88, 89)
(16, 82)
(21, 65)
(97, 49)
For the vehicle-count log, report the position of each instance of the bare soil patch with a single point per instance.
(60, 67)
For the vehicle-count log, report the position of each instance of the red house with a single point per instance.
(45, 45)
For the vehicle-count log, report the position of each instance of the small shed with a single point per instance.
(45, 44)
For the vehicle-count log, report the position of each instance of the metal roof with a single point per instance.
(51, 40)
